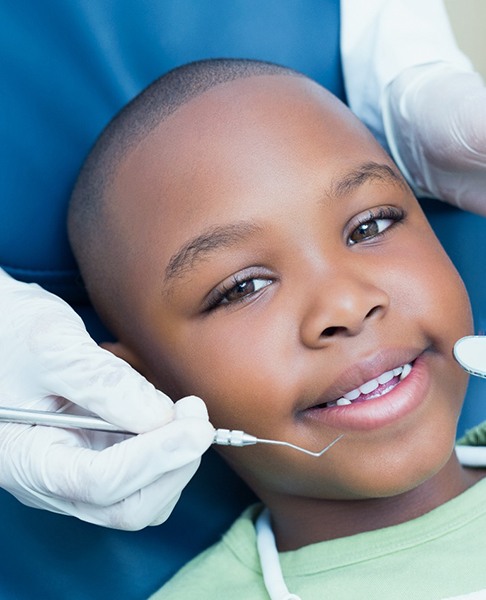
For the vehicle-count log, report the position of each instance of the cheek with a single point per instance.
(240, 369)
(428, 285)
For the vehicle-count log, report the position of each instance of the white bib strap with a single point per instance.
(267, 550)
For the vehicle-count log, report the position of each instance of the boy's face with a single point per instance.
(278, 262)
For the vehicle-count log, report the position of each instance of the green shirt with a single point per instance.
(439, 555)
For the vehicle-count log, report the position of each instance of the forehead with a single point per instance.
(229, 151)
(231, 125)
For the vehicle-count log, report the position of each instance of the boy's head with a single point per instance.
(249, 242)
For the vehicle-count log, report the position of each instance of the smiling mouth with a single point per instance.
(374, 388)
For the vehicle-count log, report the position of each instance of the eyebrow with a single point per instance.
(227, 236)
(213, 238)
(370, 171)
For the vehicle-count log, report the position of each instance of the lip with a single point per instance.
(377, 412)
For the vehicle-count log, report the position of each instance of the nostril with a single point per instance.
(372, 311)
(330, 331)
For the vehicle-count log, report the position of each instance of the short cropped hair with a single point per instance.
(89, 230)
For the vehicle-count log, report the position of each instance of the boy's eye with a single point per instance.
(237, 290)
(375, 224)
(369, 229)
(242, 289)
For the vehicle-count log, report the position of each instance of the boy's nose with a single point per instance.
(342, 308)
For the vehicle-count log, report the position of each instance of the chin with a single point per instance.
(398, 476)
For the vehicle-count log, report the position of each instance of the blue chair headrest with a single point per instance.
(68, 69)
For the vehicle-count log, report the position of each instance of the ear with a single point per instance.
(119, 349)
(161, 382)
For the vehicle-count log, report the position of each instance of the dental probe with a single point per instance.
(238, 439)
(222, 437)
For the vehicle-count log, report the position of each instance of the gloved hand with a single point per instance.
(49, 362)
(435, 123)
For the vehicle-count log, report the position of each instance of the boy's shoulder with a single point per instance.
(213, 573)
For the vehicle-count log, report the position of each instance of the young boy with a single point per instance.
(248, 241)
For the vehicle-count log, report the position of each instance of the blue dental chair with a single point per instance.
(66, 68)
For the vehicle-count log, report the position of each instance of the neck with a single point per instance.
(298, 522)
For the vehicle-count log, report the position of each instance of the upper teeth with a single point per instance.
(373, 384)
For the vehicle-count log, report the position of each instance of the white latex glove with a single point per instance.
(417, 91)
(435, 124)
(49, 362)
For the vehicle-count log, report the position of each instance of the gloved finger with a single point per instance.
(190, 407)
(434, 117)
(149, 506)
(102, 383)
(470, 353)
(51, 354)
(468, 128)
(106, 477)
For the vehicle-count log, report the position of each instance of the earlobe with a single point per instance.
(122, 351)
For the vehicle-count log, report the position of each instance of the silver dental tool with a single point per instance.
(222, 437)
(57, 419)
(238, 439)
(470, 353)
